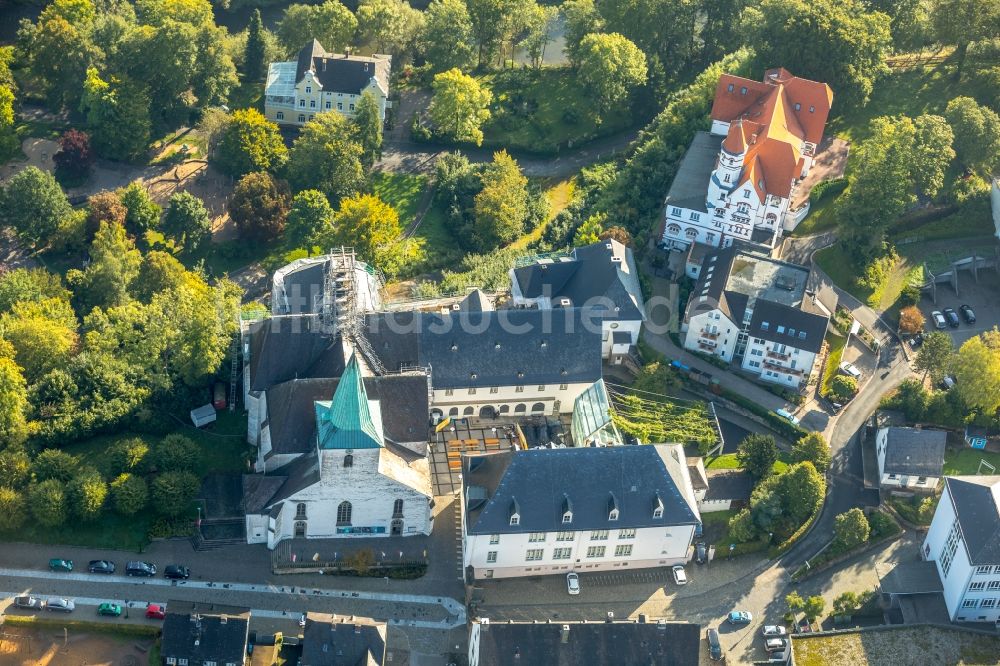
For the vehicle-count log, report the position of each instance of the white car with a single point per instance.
(787, 415)
(850, 369)
(775, 644)
(773, 631)
(939, 321)
(679, 576)
(572, 583)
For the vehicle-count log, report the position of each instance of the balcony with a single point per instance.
(777, 355)
(777, 367)
(706, 333)
(707, 345)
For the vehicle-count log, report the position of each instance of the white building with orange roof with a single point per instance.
(736, 181)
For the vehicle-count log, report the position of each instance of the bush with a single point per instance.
(881, 525)
(827, 189)
(741, 527)
(87, 493)
(127, 455)
(129, 493)
(176, 453)
(12, 510)
(850, 529)
(15, 468)
(843, 387)
(166, 528)
(47, 502)
(909, 296)
(55, 464)
(174, 492)
(813, 448)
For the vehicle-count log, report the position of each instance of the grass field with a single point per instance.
(543, 111)
(837, 344)
(965, 461)
(402, 191)
(729, 461)
(923, 645)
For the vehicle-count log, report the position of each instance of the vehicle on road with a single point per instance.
(101, 566)
(57, 564)
(177, 572)
(968, 313)
(29, 603)
(109, 609)
(60, 604)
(739, 617)
(775, 644)
(787, 415)
(679, 576)
(952, 318)
(573, 583)
(772, 630)
(714, 645)
(850, 369)
(700, 552)
(156, 611)
(938, 319)
(146, 569)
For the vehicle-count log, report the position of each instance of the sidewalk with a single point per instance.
(729, 380)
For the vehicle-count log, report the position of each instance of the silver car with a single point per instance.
(29, 603)
(60, 604)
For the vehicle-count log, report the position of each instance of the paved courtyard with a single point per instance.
(982, 296)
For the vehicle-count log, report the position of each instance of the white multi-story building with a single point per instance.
(551, 511)
(756, 312)
(964, 543)
(735, 183)
(910, 458)
(320, 82)
(601, 277)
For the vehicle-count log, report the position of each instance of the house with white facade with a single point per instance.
(349, 473)
(320, 82)
(735, 182)
(757, 312)
(549, 511)
(602, 277)
(963, 541)
(910, 458)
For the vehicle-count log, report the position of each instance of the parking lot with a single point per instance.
(983, 297)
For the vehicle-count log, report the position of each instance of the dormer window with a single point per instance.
(515, 512)
(612, 507)
(567, 510)
(798, 107)
(454, 347)
(657, 506)
(765, 325)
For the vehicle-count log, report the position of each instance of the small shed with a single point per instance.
(202, 416)
(976, 436)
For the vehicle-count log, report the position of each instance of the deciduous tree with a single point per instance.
(976, 367)
(129, 494)
(813, 448)
(757, 454)
(390, 24)
(843, 388)
(961, 22)
(460, 106)
(368, 224)
(502, 204)
(911, 320)
(174, 492)
(326, 158)
(590, 230)
(310, 216)
(42, 333)
(13, 401)
(86, 494)
(187, 221)
(141, 212)
(75, 156)
(127, 455)
(29, 284)
(55, 464)
(33, 205)
(977, 133)
(935, 355)
(104, 207)
(850, 528)
(582, 19)
(251, 142)
(114, 264)
(259, 206)
(331, 23)
(15, 467)
(447, 38)
(47, 501)
(117, 115)
(175, 453)
(13, 511)
(611, 67)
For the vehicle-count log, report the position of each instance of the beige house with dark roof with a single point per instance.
(318, 82)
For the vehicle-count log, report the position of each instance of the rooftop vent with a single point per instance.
(564, 302)
(454, 347)
(564, 634)
(496, 346)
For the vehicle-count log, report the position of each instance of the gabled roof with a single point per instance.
(976, 500)
(562, 643)
(346, 422)
(328, 640)
(342, 73)
(601, 275)
(538, 481)
(788, 325)
(200, 633)
(914, 451)
(296, 347)
(689, 188)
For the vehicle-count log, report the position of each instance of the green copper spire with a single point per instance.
(346, 422)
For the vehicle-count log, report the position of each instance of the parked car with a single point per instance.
(714, 645)
(679, 576)
(850, 369)
(146, 569)
(156, 611)
(952, 317)
(177, 572)
(938, 319)
(56, 564)
(740, 617)
(700, 552)
(772, 630)
(29, 603)
(787, 415)
(101, 566)
(699, 530)
(947, 383)
(780, 656)
(110, 609)
(968, 313)
(60, 604)
(573, 583)
(775, 644)
(916, 341)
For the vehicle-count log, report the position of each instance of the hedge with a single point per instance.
(799, 533)
(123, 629)
(791, 431)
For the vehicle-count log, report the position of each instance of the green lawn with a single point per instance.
(402, 191)
(821, 218)
(837, 344)
(544, 111)
(965, 461)
(729, 461)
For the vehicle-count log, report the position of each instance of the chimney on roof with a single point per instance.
(224, 619)
(610, 617)
(484, 624)
(564, 634)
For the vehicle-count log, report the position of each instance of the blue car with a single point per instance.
(740, 617)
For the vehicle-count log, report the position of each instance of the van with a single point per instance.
(714, 645)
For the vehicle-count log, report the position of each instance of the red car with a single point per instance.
(156, 611)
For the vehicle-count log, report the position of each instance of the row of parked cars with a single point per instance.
(64, 605)
(950, 318)
(134, 568)
(776, 641)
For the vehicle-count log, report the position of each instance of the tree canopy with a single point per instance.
(250, 142)
(259, 206)
(460, 106)
(325, 157)
(611, 67)
(33, 205)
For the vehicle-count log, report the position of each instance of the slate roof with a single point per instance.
(802, 330)
(284, 348)
(201, 632)
(342, 73)
(976, 500)
(258, 489)
(536, 481)
(914, 451)
(689, 188)
(291, 415)
(331, 641)
(912, 578)
(301, 289)
(591, 643)
(495, 348)
(729, 485)
(602, 275)
(346, 421)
